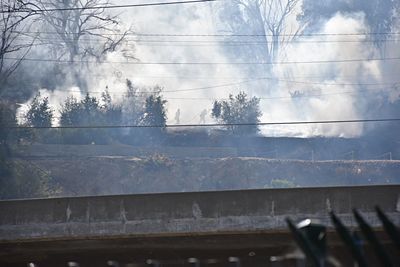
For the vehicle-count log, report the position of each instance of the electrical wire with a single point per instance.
(105, 6)
(221, 35)
(204, 63)
(260, 98)
(207, 125)
(153, 42)
(140, 94)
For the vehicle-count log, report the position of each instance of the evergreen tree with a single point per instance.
(132, 105)
(7, 119)
(82, 113)
(70, 112)
(238, 110)
(18, 180)
(90, 112)
(111, 113)
(155, 112)
(40, 113)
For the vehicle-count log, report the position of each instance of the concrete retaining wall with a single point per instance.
(175, 214)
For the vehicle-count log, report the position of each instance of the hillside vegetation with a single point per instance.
(157, 173)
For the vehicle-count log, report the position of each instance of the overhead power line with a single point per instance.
(244, 82)
(220, 35)
(294, 97)
(264, 35)
(194, 43)
(241, 44)
(260, 79)
(280, 78)
(204, 63)
(104, 6)
(288, 79)
(207, 125)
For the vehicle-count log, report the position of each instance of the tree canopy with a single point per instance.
(238, 110)
(40, 114)
(155, 111)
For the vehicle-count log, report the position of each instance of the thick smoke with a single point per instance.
(331, 91)
(191, 19)
(296, 92)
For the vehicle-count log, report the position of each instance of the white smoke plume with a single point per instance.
(332, 91)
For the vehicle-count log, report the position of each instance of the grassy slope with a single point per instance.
(116, 175)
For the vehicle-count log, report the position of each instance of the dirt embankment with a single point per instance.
(124, 175)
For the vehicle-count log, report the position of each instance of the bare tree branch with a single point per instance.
(270, 19)
(95, 24)
(12, 27)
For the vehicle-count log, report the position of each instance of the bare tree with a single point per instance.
(13, 46)
(81, 29)
(268, 19)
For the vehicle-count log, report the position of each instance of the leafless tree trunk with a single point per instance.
(82, 33)
(268, 20)
(271, 18)
(13, 46)
(270, 24)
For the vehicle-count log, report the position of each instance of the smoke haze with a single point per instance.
(288, 92)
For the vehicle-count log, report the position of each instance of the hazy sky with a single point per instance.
(331, 91)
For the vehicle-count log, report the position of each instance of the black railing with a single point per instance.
(311, 240)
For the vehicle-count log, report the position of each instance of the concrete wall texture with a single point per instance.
(175, 214)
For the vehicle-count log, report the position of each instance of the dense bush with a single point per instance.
(238, 110)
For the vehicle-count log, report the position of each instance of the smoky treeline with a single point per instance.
(78, 75)
(139, 118)
(71, 48)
